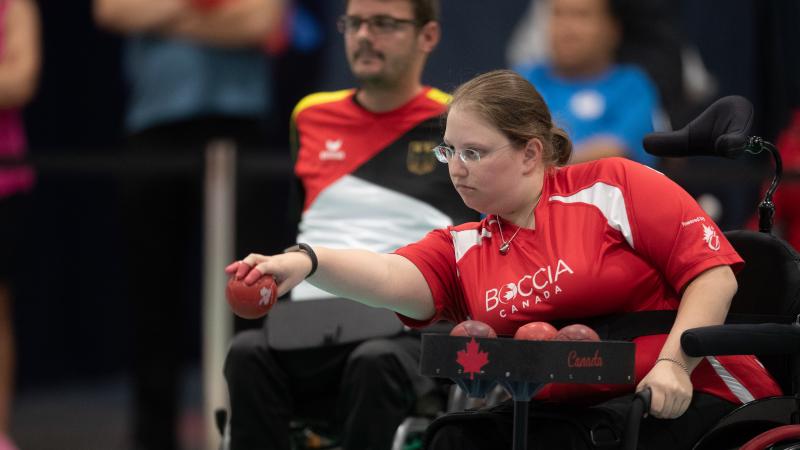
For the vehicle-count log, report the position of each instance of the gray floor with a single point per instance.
(94, 415)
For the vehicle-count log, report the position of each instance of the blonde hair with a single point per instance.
(515, 107)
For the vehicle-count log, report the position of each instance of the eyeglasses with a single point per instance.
(444, 153)
(375, 24)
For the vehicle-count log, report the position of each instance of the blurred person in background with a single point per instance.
(606, 107)
(197, 73)
(787, 197)
(20, 56)
(652, 39)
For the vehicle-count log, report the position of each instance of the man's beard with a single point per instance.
(376, 80)
(380, 81)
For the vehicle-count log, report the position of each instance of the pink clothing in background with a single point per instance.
(12, 134)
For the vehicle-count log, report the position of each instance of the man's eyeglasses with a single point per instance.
(375, 24)
(444, 153)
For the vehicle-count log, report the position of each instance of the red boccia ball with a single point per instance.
(253, 301)
(576, 332)
(473, 328)
(536, 331)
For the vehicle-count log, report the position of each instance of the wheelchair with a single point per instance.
(333, 322)
(764, 318)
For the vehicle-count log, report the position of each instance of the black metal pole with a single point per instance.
(766, 209)
(520, 425)
(640, 406)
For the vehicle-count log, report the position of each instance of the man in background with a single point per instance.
(366, 177)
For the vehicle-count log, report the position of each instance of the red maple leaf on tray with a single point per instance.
(472, 359)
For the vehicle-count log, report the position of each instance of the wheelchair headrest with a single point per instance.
(721, 130)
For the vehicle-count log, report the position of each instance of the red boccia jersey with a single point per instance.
(611, 236)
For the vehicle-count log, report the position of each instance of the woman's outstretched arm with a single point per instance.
(380, 280)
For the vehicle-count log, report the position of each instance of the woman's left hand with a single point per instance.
(671, 390)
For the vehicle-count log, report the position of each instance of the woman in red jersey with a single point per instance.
(557, 243)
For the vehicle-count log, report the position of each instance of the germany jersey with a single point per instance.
(370, 180)
(611, 236)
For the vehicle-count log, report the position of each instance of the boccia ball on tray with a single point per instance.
(251, 301)
(576, 332)
(473, 328)
(536, 331)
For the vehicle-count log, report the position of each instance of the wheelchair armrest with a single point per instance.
(744, 339)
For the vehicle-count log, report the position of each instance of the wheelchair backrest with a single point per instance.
(769, 284)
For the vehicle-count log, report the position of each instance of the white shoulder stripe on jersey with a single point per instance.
(466, 239)
(731, 382)
(609, 200)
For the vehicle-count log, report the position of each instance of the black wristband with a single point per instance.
(305, 248)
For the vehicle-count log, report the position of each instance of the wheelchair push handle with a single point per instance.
(642, 401)
(639, 406)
